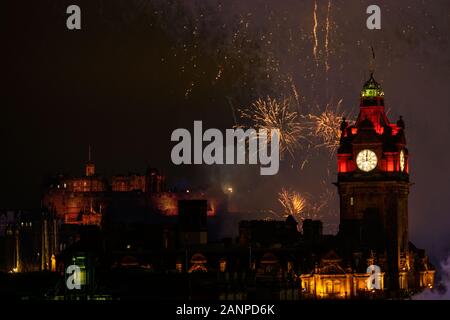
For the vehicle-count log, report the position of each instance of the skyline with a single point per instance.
(70, 90)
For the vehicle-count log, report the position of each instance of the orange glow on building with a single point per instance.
(331, 281)
(198, 262)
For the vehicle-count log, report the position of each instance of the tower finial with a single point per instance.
(372, 62)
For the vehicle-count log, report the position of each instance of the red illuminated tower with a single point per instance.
(373, 183)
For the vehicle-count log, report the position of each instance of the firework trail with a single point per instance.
(233, 112)
(270, 114)
(295, 92)
(303, 164)
(327, 35)
(316, 40)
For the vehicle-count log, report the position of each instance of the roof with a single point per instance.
(198, 258)
(331, 256)
(269, 258)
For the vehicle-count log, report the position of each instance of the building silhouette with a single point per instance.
(140, 239)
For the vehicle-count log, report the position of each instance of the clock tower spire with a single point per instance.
(373, 184)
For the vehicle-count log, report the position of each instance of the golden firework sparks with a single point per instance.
(325, 127)
(299, 206)
(293, 203)
(270, 114)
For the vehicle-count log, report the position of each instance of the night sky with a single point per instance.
(140, 69)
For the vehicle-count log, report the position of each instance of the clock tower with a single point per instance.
(373, 185)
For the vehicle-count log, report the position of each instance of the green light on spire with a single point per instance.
(372, 89)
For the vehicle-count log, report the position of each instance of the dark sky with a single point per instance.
(140, 69)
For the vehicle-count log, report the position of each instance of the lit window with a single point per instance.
(329, 287)
(223, 265)
(352, 201)
(337, 286)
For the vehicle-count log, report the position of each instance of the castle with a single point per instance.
(83, 200)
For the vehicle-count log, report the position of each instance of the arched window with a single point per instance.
(328, 287)
(337, 286)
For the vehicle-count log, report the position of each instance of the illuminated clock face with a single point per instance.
(366, 160)
(402, 161)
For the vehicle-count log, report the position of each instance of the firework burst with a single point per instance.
(325, 126)
(270, 114)
(293, 203)
(301, 207)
